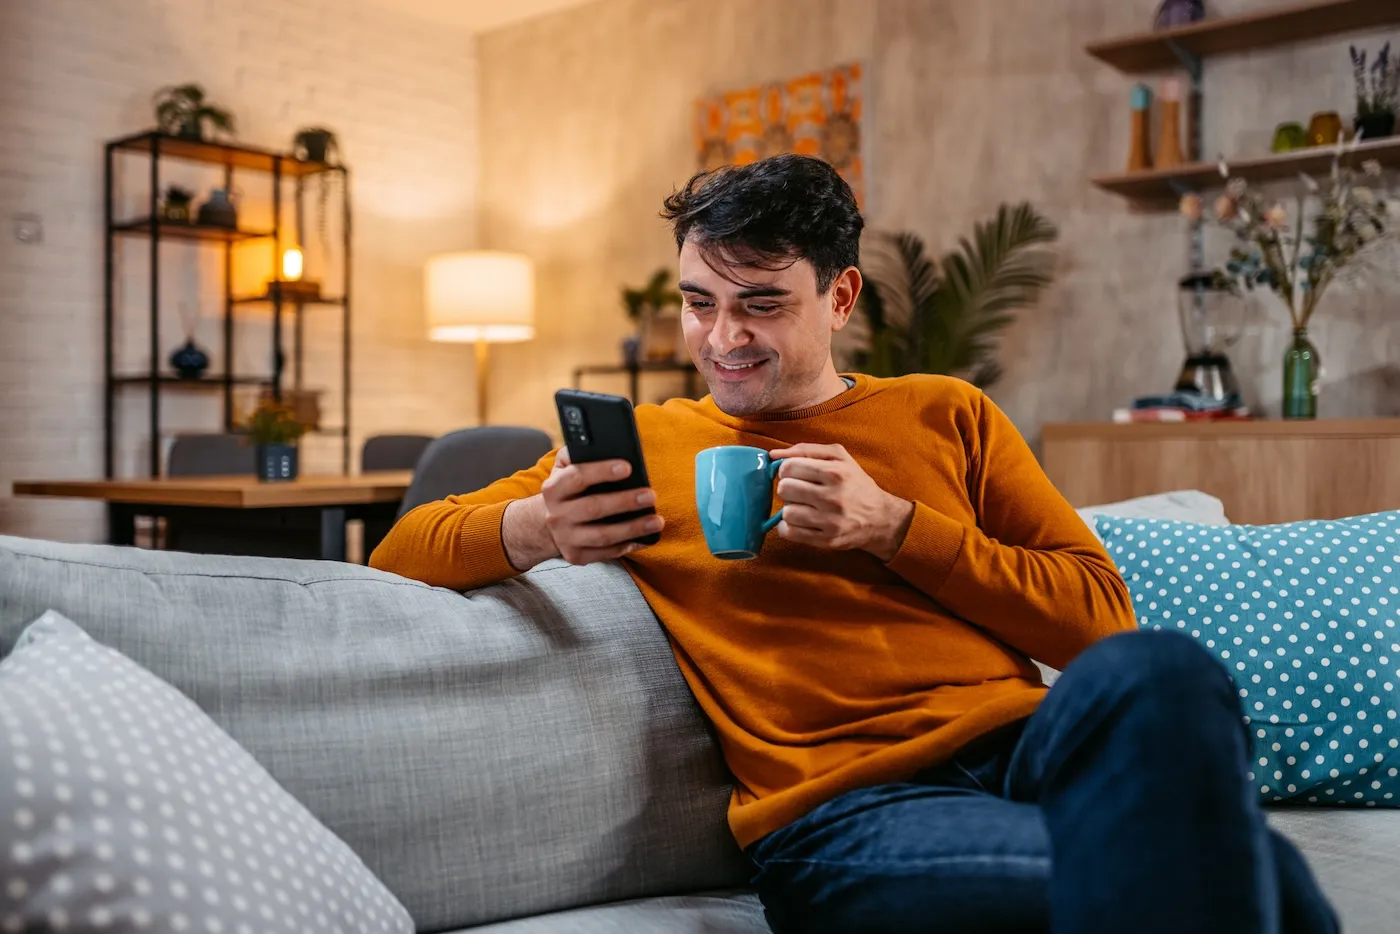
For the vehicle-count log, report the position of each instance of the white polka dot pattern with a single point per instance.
(1303, 616)
(124, 808)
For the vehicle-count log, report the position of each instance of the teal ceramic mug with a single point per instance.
(733, 493)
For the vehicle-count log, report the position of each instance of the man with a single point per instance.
(898, 764)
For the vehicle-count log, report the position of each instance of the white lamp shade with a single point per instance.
(483, 295)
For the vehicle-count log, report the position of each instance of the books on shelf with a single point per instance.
(1168, 414)
(1183, 407)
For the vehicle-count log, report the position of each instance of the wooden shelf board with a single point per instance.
(1159, 187)
(289, 300)
(239, 157)
(1152, 51)
(202, 382)
(1337, 428)
(142, 227)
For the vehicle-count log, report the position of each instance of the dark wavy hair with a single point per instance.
(770, 214)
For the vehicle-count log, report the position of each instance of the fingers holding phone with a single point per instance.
(585, 525)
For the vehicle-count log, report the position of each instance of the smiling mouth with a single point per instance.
(736, 367)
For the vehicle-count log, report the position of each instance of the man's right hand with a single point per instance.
(558, 521)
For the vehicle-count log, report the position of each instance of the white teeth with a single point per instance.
(744, 366)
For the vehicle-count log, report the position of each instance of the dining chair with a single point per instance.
(467, 460)
(392, 452)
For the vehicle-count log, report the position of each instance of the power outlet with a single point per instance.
(29, 228)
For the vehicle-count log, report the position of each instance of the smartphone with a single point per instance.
(599, 427)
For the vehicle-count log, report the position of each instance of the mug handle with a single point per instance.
(772, 521)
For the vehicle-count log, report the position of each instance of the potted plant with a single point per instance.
(175, 208)
(918, 316)
(1377, 94)
(318, 144)
(1337, 222)
(658, 332)
(182, 111)
(274, 429)
(315, 144)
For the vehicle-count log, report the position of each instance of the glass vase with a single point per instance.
(1301, 368)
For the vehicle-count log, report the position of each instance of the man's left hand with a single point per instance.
(831, 502)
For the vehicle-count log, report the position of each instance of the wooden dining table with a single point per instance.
(317, 505)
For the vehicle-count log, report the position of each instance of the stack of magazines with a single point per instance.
(1183, 407)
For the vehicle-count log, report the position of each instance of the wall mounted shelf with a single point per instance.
(1163, 50)
(1162, 188)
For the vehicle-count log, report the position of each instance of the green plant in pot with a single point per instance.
(922, 316)
(175, 207)
(183, 111)
(657, 332)
(274, 430)
(1377, 93)
(1334, 228)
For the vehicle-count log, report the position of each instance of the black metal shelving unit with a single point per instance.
(280, 167)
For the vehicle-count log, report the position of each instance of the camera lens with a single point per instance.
(574, 415)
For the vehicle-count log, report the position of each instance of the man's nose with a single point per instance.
(729, 333)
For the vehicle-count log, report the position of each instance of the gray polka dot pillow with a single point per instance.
(1304, 617)
(124, 808)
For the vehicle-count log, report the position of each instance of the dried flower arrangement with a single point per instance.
(1336, 225)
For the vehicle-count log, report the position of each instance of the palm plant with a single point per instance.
(923, 317)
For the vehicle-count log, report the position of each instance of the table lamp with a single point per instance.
(481, 297)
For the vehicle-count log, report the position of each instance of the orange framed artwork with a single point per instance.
(818, 114)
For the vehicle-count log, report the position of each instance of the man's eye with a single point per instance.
(699, 304)
(762, 309)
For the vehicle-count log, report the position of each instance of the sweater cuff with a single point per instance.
(930, 549)
(483, 552)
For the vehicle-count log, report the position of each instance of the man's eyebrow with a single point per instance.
(686, 286)
(768, 292)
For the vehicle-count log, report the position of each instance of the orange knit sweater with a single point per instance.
(824, 671)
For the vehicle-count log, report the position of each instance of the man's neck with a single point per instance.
(828, 387)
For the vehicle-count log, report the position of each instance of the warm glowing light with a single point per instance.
(292, 265)
(486, 296)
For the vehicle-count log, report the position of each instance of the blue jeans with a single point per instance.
(1120, 805)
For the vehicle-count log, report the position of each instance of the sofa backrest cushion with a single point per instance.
(523, 748)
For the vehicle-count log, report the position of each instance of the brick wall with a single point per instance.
(400, 94)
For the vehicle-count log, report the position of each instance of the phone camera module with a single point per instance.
(573, 415)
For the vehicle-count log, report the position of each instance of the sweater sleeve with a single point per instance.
(1029, 572)
(456, 542)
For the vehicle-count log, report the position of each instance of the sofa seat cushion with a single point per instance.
(727, 912)
(1355, 854)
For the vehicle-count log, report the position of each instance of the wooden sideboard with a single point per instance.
(1263, 471)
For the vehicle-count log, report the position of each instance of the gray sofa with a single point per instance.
(525, 757)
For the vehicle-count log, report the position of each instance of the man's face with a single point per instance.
(761, 337)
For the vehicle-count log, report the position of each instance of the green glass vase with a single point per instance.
(1301, 368)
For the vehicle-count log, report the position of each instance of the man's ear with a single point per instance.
(844, 292)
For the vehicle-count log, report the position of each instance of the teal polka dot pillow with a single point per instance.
(1304, 618)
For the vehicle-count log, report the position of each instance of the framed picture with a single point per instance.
(817, 114)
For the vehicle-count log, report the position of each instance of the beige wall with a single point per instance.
(400, 93)
(585, 128)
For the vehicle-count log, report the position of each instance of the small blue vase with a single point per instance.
(218, 211)
(1179, 13)
(189, 361)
